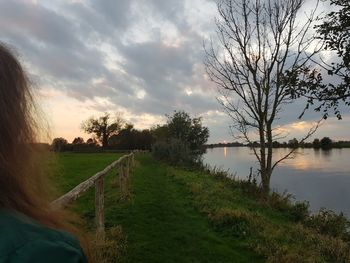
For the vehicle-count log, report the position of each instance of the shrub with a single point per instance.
(279, 201)
(299, 212)
(283, 202)
(251, 186)
(329, 223)
(59, 145)
(86, 148)
(298, 244)
(326, 143)
(175, 152)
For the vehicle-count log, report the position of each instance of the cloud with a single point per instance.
(144, 58)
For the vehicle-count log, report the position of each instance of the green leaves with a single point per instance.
(103, 127)
(190, 131)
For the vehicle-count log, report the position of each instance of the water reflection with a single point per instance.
(317, 152)
(327, 153)
(321, 177)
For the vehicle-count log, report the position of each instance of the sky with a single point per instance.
(140, 58)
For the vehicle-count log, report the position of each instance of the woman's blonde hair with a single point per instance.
(23, 184)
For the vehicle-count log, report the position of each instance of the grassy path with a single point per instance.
(161, 224)
(175, 215)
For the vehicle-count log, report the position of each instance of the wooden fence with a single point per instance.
(124, 166)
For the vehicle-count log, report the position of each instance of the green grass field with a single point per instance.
(176, 215)
(159, 221)
(70, 169)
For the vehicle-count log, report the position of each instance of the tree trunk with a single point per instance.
(104, 140)
(265, 182)
(99, 209)
(262, 156)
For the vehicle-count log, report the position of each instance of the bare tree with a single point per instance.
(260, 46)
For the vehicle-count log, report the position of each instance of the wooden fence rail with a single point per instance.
(124, 166)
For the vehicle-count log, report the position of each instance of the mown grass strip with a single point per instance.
(176, 215)
(162, 225)
(159, 221)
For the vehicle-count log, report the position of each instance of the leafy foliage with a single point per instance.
(326, 143)
(91, 141)
(316, 143)
(329, 223)
(180, 141)
(103, 127)
(129, 138)
(190, 131)
(175, 152)
(334, 32)
(59, 144)
(78, 140)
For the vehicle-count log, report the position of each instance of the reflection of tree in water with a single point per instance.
(317, 152)
(326, 153)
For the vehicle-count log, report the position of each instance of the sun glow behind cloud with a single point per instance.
(143, 58)
(65, 114)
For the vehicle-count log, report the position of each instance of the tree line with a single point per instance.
(181, 133)
(324, 143)
(107, 134)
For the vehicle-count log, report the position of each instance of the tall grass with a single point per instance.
(273, 226)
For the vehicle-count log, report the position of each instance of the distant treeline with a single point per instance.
(230, 144)
(324, 143)
(127, 138)
(178, 140)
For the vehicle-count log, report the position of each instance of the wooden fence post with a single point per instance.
(124, 177)
(122, 180)
(131, 163)
(121, 175)
(125, 164)
(99, 209)
(128, 170)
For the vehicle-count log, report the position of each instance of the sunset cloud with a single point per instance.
(143, 58)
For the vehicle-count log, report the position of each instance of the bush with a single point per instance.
(251, 186)
(59, 145)
(283, 202)
(86, 148)
(329, 223)
(279, 201)
(299, 212)
(175, 152)
(298, 244)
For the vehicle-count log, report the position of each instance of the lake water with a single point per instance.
(318, 176)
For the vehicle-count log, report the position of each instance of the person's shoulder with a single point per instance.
(25, 240)
(43, 250)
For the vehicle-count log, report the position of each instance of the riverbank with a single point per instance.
(320, 177)
(176, 215)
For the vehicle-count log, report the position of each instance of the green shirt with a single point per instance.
(23, 240)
